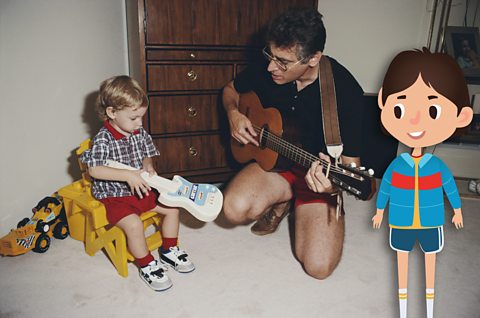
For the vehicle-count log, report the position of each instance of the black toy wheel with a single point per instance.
(60, 231)
(46, 201)
(42, 244)
(42, 227)
(22, 223)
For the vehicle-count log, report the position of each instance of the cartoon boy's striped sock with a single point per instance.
(430, 296)
(402, 301)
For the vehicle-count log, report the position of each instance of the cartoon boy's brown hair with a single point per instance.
(438, 70)
(119, 92)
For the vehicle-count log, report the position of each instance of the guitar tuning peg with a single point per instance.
(353, 165)
(361, 168)
(371, 172)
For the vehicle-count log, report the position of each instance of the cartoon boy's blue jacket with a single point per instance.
(398, 186)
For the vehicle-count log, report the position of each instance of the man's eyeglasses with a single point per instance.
(283, 66)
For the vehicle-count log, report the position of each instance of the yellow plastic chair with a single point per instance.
(88, 223)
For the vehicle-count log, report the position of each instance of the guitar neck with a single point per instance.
(287, 149)
(157, 182)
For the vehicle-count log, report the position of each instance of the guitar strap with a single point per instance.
(331, 128)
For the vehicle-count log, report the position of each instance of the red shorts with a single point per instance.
(118, 208)
(301, 193)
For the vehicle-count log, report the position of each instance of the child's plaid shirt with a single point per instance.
(111, 144)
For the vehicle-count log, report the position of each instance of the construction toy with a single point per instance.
(34, 233)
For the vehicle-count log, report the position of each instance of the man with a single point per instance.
(295, 42)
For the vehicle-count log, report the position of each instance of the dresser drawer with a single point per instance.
(188, 77)
(187, 113)
(189, 153)
(195, 55)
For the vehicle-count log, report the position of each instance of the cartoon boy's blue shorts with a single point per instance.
(430, 240)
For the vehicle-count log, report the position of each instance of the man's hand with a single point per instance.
(241, 128)
(316, 179)
(377, 219)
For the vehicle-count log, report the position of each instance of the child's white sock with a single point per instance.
(402, 301)
(430, 296)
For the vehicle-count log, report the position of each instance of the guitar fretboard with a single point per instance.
(287, 149)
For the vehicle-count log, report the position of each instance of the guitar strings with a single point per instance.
(292, 148)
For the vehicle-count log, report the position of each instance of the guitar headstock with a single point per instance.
(357, 181)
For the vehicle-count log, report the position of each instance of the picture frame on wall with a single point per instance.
(463, 43)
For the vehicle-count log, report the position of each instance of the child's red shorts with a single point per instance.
(119, 207)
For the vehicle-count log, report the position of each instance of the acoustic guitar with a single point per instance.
(268, 125)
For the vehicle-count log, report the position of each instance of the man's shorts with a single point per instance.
(301, 193)
(118, 208)
(430, 240)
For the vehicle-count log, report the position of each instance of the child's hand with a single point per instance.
(137, 184)
(458, 219)
(377, 219)
(151, 171)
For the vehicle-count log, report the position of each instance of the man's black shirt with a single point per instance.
(302, 109)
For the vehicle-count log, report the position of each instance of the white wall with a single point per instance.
(365, 35)
(53, 55)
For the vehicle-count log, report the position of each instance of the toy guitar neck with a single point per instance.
(203, 201)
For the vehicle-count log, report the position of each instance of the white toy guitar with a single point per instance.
(203, 201)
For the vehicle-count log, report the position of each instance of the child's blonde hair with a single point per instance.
(119, 92)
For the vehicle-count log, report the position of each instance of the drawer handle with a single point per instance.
(192, 55)
(192, 111)
(192, 76)
(193, 151)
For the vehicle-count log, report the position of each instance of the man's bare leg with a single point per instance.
(319, 238)
(251, 192)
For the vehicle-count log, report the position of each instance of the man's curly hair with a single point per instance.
(301, 28)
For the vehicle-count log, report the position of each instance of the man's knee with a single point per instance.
(234, 210)
(320, 269)
(240, 211)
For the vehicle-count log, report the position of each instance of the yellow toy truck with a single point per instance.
(34, 233)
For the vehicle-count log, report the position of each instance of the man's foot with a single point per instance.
(154, 275)
(177, 259)
(268, 223)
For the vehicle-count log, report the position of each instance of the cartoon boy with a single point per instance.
(423, 100)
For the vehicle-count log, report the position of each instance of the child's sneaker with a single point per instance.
(154, 275)
(177, 259)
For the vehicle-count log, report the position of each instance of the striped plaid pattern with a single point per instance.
(131, 150)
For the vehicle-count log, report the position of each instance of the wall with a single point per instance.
(53, 54)
(365, 35)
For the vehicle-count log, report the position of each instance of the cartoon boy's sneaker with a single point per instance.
(177, 259)
(154, 275)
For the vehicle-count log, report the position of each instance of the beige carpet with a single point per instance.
(242, 275)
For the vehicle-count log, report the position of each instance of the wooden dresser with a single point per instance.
(183, 52)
